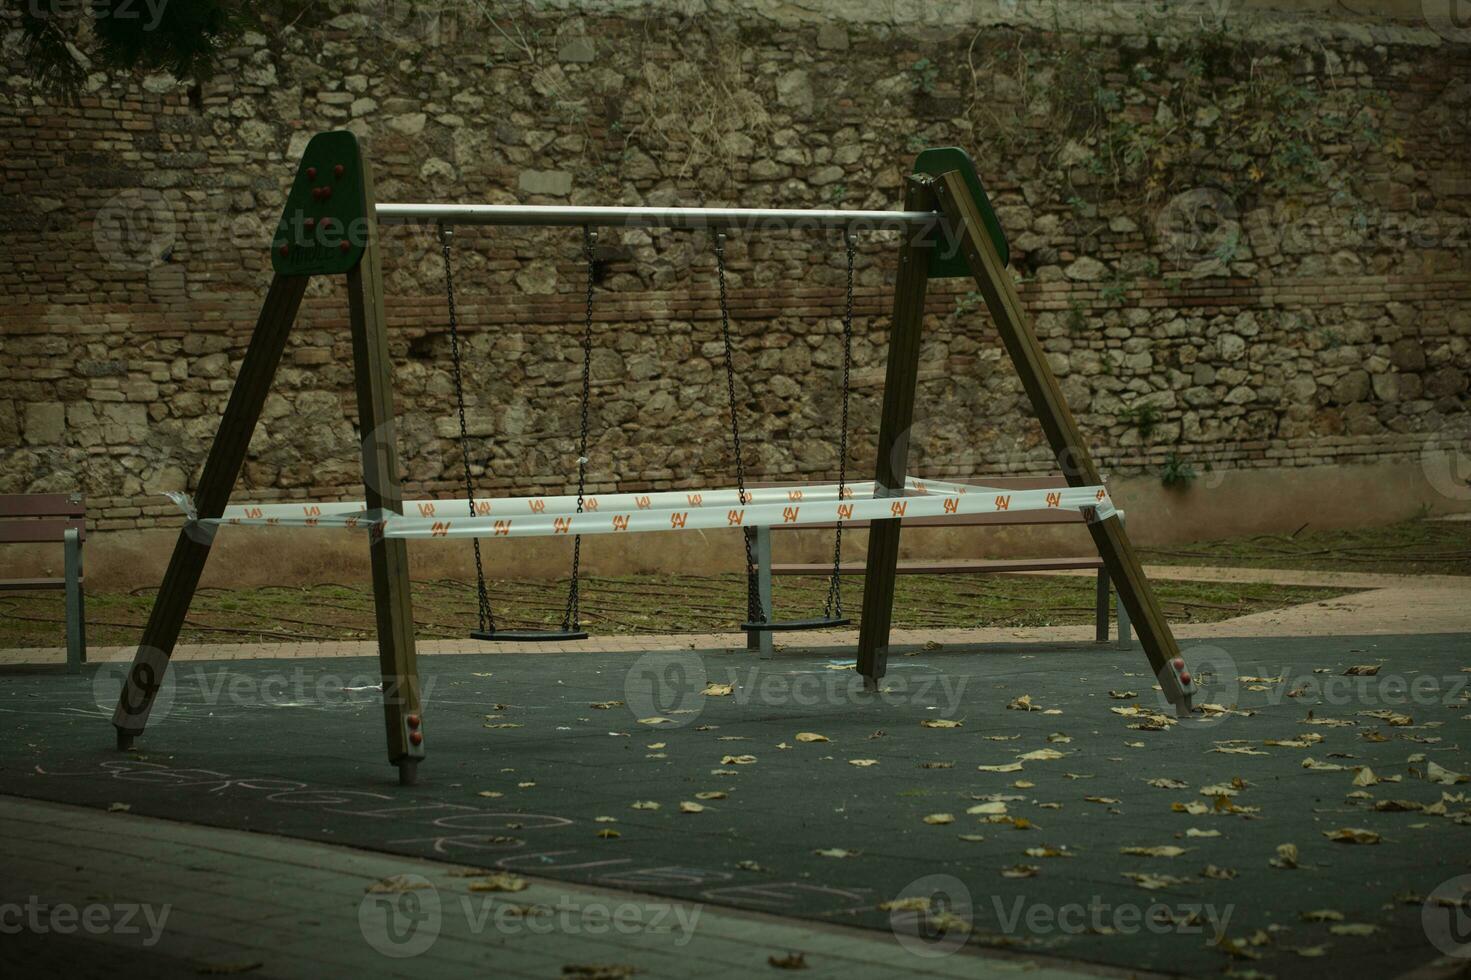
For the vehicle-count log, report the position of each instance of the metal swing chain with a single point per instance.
(487, 616)
(754, 612)
(833, 608)
(571, 613)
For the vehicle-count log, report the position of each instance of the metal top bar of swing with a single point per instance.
(771, 219)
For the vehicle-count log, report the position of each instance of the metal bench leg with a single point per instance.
(76, 636)
(1100, 605)
(763, 587)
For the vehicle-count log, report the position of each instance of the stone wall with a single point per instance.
(1243, 236)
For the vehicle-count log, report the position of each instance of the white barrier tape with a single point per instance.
(683, 510)
(1090, 500)
(332, 512)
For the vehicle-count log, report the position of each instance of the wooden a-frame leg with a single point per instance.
(900, 381)
(389, 556)
(1061, 430)
(221, 470)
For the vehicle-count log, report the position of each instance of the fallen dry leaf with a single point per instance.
(395, 884)
(499, 881)
(1020, 871)
(939, 819)
(940, 723)
(714, 690)
(1009, 767)
(835, 852)
(1157, 851)
(1352, 835)
(863, 763)
(1353, 929)
(686, 806)
(1152, 882)
(1286, 857)
(811, 737)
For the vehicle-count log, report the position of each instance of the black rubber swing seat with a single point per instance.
(527, 636)
(793, 625)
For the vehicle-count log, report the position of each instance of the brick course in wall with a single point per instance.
(1239, 253)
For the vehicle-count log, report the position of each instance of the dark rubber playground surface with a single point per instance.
(295, 747)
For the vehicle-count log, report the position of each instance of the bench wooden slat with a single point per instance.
(42, 505)
(953, 566)
(31, 584)
(21, 532)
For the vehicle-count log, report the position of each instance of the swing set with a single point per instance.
(330, 227)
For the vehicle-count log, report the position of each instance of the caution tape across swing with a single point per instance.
(685, 510)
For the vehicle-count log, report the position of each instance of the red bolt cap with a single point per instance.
(344, 246)
(311, 223)
(283, 249)
(326, 191)
(339, 170)
(311, 172)
(413, 721)
(416, 737)
(1185, 677)
(1179, 663)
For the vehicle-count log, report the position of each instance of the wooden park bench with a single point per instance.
(41, 518)
(766, 568)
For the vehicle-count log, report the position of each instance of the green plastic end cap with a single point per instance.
(941, 160)
(325, 226)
